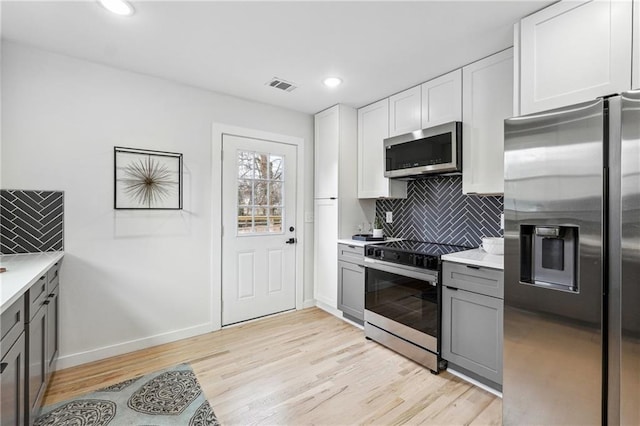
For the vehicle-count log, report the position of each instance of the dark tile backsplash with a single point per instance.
(31, 221)
(435, 210)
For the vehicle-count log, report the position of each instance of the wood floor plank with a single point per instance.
(303, 367)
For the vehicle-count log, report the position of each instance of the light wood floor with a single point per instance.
(304, 367)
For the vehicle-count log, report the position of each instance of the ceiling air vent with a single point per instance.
(281, 84)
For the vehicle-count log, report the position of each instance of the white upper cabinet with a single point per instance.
(442, 99)
(574, 51)
(327, 139)
(404, 112)
(487, 102)
(373, 128)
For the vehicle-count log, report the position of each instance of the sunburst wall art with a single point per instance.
(147, 179)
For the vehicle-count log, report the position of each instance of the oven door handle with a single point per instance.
(432, 279)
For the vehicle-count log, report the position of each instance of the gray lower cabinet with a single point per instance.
(472, 324)
(33, 324)
(12, 365)
(351, 289)
(351, 282)
(12, 385)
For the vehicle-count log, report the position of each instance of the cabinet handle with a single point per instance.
(362, 266)
(473, 267)
(451, 288)
(46, 302)
(3, 366)
(352, 247)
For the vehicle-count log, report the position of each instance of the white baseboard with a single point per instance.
(355, 324)
(333, 311)
(475, 382)
(79, 358)
(309, 303)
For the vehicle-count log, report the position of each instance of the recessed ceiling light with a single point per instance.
(119, 7)
(332, 81)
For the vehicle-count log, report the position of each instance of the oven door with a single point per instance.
(403, 301)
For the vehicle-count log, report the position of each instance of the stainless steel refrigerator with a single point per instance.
(572, 265)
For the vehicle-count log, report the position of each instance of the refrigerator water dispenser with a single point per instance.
(549, 256)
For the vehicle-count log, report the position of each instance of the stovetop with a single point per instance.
(423, 247)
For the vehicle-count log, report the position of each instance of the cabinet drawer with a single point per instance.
(35, 296)
(477, 279)
(349, 253)
(11, 325)
(52, 277)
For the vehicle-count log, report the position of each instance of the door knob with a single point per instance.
(291, 241)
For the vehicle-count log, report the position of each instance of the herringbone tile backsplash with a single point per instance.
(31, 221)
(435, 210)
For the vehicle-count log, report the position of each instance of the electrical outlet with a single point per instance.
(502, 221)
(389, 217)
(308, 217)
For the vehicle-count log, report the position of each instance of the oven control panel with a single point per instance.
(403, 257)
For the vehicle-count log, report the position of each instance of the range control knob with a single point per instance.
(418, 260)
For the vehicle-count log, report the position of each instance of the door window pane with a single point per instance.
(245, 220)
(261, 166)
(245, 193)
(245, 165)
(260, 219)
(275, 168)
(260, 193)
(275, 193)
(275, 220)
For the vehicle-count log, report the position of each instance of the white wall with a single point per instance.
(129, 279)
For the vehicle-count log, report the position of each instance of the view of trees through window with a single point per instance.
(260, 192)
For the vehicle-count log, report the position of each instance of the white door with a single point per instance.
(258, 219)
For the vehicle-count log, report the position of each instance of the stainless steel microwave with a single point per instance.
(436, 150)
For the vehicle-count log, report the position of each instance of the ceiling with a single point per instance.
(235, 47)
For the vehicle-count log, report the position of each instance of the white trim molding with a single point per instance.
(79, 358)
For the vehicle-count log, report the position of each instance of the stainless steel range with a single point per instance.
(403, 298)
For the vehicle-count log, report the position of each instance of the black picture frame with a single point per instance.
(147, 180)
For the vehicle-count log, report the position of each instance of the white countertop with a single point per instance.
(359, 243)
(477, 257)
(23, 270)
